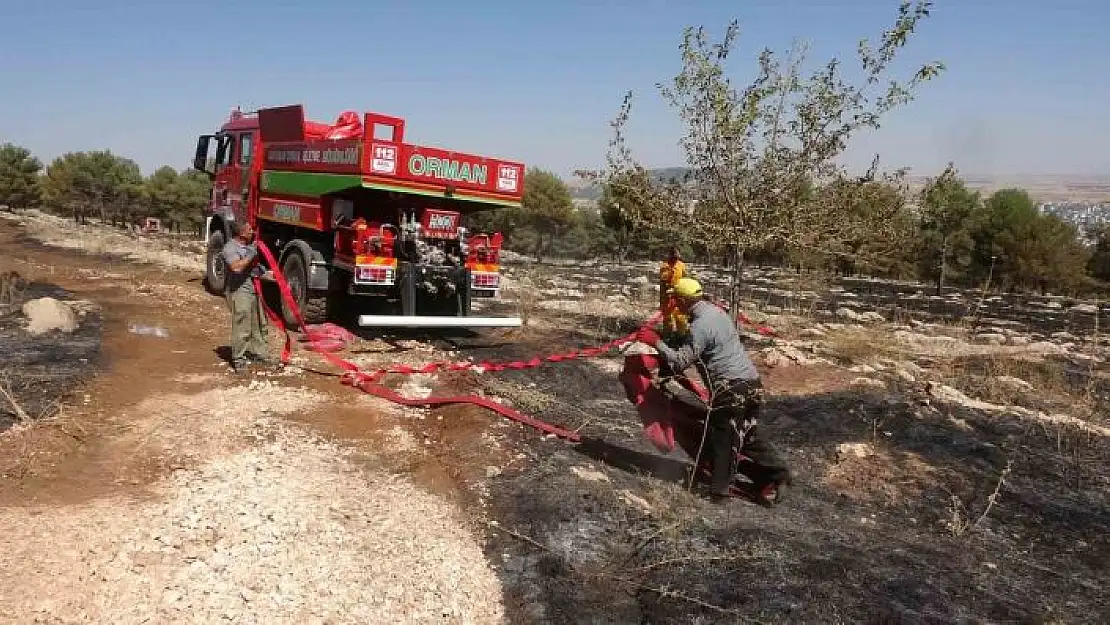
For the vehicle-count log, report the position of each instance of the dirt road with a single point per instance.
(167, 490)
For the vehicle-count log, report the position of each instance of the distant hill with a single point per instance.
(1043, 187)
(583, 191)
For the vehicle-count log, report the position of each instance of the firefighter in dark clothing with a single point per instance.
(714, 347)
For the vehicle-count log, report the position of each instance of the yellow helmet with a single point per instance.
(687, 288)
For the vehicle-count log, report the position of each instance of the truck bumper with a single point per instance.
(436, 321)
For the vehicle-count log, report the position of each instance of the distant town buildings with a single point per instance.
(1087, 216)
(584, 204)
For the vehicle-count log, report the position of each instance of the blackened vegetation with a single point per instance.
(635, 547)
(40, 370)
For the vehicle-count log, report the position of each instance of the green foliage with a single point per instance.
(884, 250)
(546, 208)
(632, 238)
(1098, 266)
(1030, 250)
(944, 245)
(112, 188)
(19, 177)
(178, 199)
(100, 183)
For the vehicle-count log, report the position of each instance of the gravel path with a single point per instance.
(272, 525)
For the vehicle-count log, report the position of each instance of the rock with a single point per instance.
(812, 333)
(847, 313)
(589, 474)
(1087, 309)
(1016, 384)
(635, 501)
(783, 355)
(1020, 341)
(991, 338)
(1084, 359)
(947, 394)
(868, 383)
(46, 314)
(1044, 347)
(862, 369)
(871, 317)
(906, 376)
(854, 450)
(910, 367)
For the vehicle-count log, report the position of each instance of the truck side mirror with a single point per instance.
(200, 158)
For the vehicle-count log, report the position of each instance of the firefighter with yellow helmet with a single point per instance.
(714, 347)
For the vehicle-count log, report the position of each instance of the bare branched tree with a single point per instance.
(762, 160)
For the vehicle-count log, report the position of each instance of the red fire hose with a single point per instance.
(368, 382)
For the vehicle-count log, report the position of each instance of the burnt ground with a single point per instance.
(605, 532)
(857, 540)
(39, 369)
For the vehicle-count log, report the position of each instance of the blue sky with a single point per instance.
(1026, 89)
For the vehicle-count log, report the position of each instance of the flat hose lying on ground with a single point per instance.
(324, 340)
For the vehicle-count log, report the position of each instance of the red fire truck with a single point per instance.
(359, 220)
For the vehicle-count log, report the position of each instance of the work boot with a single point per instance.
(261, 359)
(240, 366)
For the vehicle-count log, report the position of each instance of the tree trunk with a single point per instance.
(737, 274)
(943, 265)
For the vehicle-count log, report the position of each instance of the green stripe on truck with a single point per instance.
(307, 184)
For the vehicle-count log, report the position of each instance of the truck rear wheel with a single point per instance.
(313, 309)
(215, 271)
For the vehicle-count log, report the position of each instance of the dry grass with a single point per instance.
(859, 346)
(960, 523)
(524, 398)
(996, 379)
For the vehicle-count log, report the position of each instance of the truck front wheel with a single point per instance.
(215, 272)
(313, 309)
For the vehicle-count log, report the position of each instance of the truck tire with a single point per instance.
(314, 309)
(215, 271)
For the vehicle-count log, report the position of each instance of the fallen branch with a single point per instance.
(959, 525)
(673, 594)
(6, 391)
